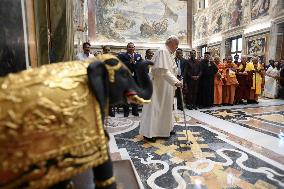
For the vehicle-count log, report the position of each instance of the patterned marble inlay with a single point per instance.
(278, 118)
(261, 110)
(216, 159)
(209, 162)
(268, 120)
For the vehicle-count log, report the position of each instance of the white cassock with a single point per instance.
(157, 117)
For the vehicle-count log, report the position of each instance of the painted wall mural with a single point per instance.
(231, 14)
(277, 7)
(236, 14)
(246, 12)
(225, 15)
(201, 27)
(216, 21)
(259, 8)
(147, 21)
(215, 50)
(256, 45)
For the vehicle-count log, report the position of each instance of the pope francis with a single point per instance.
(157, 117)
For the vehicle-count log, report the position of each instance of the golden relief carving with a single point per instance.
(111, 71)
(50, 126)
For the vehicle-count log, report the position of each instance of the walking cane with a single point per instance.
(188, 142)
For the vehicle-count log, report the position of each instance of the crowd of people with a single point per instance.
(211, 82)
(236, 82)
(208, 81)
(195, 82)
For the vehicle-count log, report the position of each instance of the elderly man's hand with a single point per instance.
(178, 84)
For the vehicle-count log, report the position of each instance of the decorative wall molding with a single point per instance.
(257, 32)
(215, 44)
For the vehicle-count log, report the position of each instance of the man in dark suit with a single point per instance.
(130, 59)
(149, 54)
(206, 81)
(192, 73)
(180, 61)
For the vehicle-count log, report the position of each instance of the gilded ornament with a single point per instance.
(47, 115)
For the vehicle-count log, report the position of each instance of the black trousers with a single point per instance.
(179, 100)
(281, 92)
(126, 109)
(111, 111)
(192, 91)
(178, 94)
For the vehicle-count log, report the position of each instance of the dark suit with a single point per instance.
(206, 84)
(192, 68)
(131, 62)
(182, 62)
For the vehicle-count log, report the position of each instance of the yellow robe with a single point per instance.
(256, 78)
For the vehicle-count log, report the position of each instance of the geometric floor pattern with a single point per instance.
(208, 163)
(213, 160)
(266, 119)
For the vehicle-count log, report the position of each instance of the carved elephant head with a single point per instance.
(112, 82)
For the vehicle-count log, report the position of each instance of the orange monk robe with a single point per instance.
(218, 84)
(231, 83)
(224, 81)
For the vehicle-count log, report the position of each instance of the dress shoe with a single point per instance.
(241, 102)
(149, 139)
(135, 114)
(172, 133)
(250, 101)
(189, 107)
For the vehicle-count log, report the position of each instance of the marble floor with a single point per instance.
(232, 147)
